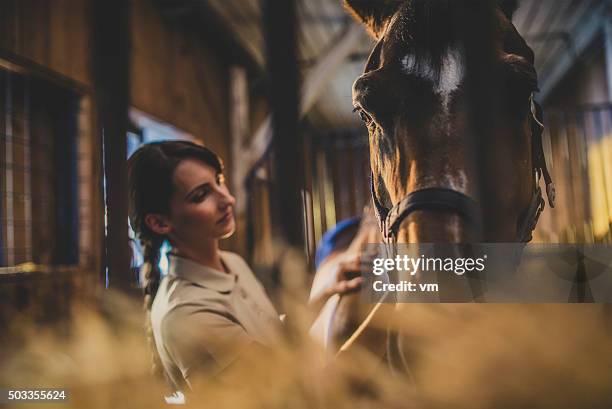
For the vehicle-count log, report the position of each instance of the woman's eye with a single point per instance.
(199, 197)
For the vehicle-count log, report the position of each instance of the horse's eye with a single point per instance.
(367, 119)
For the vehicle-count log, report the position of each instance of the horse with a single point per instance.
(440, 111)
(456, 157)
(447, 95)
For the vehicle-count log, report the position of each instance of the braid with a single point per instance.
(151, 277)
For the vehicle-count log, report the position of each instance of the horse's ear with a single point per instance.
(508, 7)
(374, 14)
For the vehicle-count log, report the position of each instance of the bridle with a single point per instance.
(452, 201)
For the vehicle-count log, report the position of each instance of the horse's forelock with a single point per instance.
(427, 30)
(435, 19)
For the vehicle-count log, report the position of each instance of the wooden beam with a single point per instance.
(583, 37)
(326, 68)
(280, 31)
(110, 62)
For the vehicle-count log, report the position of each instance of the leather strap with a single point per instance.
(431, 199)
(531, 216)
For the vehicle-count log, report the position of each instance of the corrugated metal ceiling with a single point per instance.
(547, 25)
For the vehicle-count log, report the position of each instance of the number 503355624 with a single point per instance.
(33, 395)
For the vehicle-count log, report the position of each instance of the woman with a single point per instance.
(210, 308)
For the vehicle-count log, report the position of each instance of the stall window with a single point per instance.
(39, 178)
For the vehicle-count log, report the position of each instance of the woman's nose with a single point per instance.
(227, 199)
(231, 199)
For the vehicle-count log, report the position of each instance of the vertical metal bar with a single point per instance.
(578, 117)
(599, 135)
(574, 217)
(316, 194)
(607, 174)
(27, 174)
(8, 177)
(330, 194)
(308, 234)
(320, 159)
(111, 46)
(582, 158)
(308, 199)
(608, 45)
(3, 109)
(280, 24)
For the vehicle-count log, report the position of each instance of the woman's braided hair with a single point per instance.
(150, 172)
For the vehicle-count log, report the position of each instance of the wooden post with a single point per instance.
(287, 142)
(110, 63)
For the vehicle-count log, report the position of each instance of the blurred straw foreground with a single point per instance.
(461, 356)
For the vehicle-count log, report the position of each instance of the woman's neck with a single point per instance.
(207, 254)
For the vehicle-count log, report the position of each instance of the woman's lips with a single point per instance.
(226, 217)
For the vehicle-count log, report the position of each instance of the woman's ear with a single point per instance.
(158, 224)
(374, 14)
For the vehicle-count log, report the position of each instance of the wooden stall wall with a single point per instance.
(53, 34)
(47, 42)
(176, 78)
(339, 174)
(578, 146)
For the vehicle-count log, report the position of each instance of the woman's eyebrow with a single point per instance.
(203, 185)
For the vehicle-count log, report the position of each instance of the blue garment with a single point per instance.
(328, 242)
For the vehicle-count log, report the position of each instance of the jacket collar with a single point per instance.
(202, 276)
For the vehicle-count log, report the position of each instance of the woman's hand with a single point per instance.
(346, 268)
(339, 274)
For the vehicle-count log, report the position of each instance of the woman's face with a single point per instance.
(201, 207)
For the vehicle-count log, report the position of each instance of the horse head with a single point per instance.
(455, 139)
